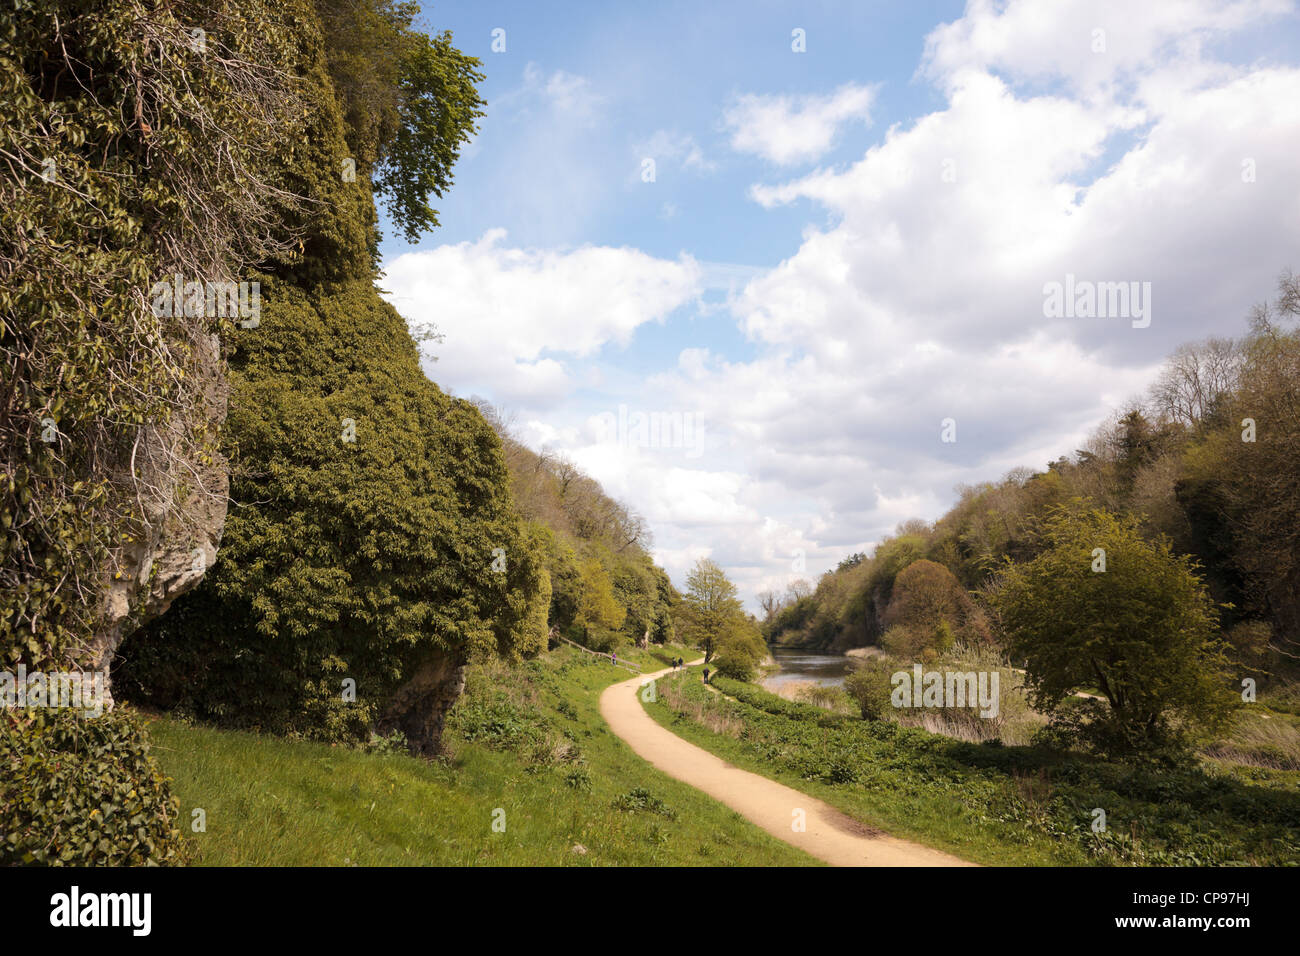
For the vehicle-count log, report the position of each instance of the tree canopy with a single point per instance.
(1103, 607)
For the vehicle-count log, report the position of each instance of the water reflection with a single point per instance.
(806, 666)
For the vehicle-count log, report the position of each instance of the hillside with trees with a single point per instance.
(605, 587)
(1206, 461)
(1154, 571)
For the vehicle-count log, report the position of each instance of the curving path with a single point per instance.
(829, 834)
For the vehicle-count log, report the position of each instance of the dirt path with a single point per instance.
(829, 835)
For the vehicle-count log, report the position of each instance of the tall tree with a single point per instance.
(599, 614)
(709, 605)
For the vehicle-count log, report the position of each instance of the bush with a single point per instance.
(869, 685)
(1144, 631)
(640, 799)
(79, 791)
(736, 662)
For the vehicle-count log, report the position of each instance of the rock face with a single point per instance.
(183, 491)
(419, 707)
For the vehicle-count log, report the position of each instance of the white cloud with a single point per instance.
(1092, 44)
(674, 147)
(923, 298)
(795, 129)
(918, 296)
(560, 91)
(513, 317)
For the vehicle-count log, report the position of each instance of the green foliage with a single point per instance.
(1142, 630)
(350, 559)
(598, 615)
(373, 532)
(870, 685)
(502, 708)
(995, 804)
(928, 612)
(709, 607)
(734, 662)
(740, 649)
(410, 102)
(641, 800)
(83, 791)
(130, 157)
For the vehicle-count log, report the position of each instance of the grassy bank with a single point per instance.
(992, 804)
(527, 740)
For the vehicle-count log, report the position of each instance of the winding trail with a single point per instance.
(830, 835)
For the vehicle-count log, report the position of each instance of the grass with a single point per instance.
(1260, 737)
(527, 741)
(989, 803)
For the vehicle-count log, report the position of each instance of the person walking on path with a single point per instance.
(706, 675)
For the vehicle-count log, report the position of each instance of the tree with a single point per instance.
(1254, 460)
(598, 609)
(1142, 631)
(771, 603)
(740, 648)
(870, 684)
(410, 102)
(931, 609)
(709, 605)
(1195, 378)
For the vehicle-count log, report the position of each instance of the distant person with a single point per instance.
(614, 657)
(706, 675)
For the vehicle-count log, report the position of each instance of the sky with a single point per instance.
(782, 276)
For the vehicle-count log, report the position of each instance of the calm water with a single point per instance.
(797, 665)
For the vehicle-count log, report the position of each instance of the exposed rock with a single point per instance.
(184, 503)
(419, 707)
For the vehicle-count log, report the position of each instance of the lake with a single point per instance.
(808, 666)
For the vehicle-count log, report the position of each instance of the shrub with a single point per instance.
(640, 799)
(1143, 630)
(79, 791)
(735, 662)
(869, 686)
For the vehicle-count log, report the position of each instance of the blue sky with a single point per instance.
(843, 247)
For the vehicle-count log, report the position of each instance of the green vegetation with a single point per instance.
(375, 549)
(132, 153)
(713, 620)
(388, 545)
(1194, 498)
(1102, 606)
(606, 591)
(526, 738)
(990, 803)
(126, 161)
(81, 791)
